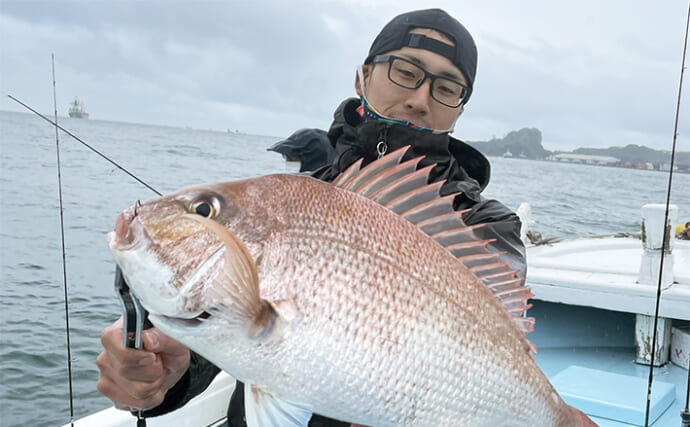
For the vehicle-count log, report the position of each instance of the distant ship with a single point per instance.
(77, 110)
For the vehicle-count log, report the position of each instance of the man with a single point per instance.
(412, 88)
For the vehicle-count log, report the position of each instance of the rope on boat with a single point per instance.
(666, 232)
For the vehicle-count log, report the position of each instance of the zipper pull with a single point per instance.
(381, 148)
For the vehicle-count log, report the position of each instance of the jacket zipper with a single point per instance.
(382, 146)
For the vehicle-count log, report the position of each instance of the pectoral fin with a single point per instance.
(234, 293)
(266, 410)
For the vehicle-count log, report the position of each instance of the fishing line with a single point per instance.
(666, 234)
(54, 123)
(62, 222)
(64, 262)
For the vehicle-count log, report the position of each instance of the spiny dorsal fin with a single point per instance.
(341, 179)
(357, 177)
(406, 191)
(402, 185)
(388, 176)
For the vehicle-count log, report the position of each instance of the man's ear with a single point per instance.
(366, 70)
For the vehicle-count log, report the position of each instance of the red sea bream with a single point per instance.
(367, 300)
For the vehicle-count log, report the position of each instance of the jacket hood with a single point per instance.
(310, 146)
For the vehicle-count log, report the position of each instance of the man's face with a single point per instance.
(413, 105)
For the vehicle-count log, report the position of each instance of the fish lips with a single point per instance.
(201, 325)
(148, 279)
(129, 233)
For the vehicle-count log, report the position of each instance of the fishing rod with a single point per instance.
(135, 316)
(64, 262)
(57, 126)
(685, 412)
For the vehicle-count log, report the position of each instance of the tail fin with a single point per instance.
(582, 420)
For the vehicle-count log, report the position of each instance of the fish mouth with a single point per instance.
(129, 233)
(187, 305)
(153, 280)
(181, 326)
(195, 321)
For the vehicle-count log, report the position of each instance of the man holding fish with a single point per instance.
(412, 87)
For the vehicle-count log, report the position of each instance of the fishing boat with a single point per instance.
(612, 328)
(595, 308)
(77, 110)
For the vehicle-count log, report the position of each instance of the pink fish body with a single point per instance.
(367, 300)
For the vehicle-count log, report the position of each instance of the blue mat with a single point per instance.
(613, 396)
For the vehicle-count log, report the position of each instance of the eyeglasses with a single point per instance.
(409, 75)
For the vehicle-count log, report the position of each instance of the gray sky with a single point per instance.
(588, 73)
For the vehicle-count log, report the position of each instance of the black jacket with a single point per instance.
(467, 173)
(465, 170)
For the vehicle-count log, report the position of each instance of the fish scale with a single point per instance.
(374, 329)
(373, 321)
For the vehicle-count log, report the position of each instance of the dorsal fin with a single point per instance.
(388, 177)
(341, 179)
(356, 177)
(406, 191)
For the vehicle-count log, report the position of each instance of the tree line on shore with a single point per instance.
(527, 143)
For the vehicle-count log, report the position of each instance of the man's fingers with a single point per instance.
(134, 394)
(111, 339)
(144, 399)
(134, 378)
(137, 371)
(174, 356)
(157, 342)
(122, 358)
(151, 340)
(110, 335)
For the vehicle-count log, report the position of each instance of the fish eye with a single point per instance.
(203, 209)
(206, 208)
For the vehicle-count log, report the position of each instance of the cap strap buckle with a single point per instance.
(420, 41)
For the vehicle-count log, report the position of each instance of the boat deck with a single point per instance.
(619, 361)
(603, 272)
(603, 340)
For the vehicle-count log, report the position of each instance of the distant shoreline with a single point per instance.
(682, 171)
(526, 143)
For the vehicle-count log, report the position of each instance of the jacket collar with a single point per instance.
(353, 138)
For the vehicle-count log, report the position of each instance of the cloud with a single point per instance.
(585, 73)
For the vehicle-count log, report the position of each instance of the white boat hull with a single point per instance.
(207, 409)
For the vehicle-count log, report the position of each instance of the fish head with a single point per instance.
(169, 258)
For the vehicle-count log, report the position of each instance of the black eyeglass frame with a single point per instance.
(427, 75)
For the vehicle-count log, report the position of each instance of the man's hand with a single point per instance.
(139, 378)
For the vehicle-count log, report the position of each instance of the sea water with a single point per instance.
(567, 200)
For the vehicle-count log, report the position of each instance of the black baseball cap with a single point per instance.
(396, 35)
